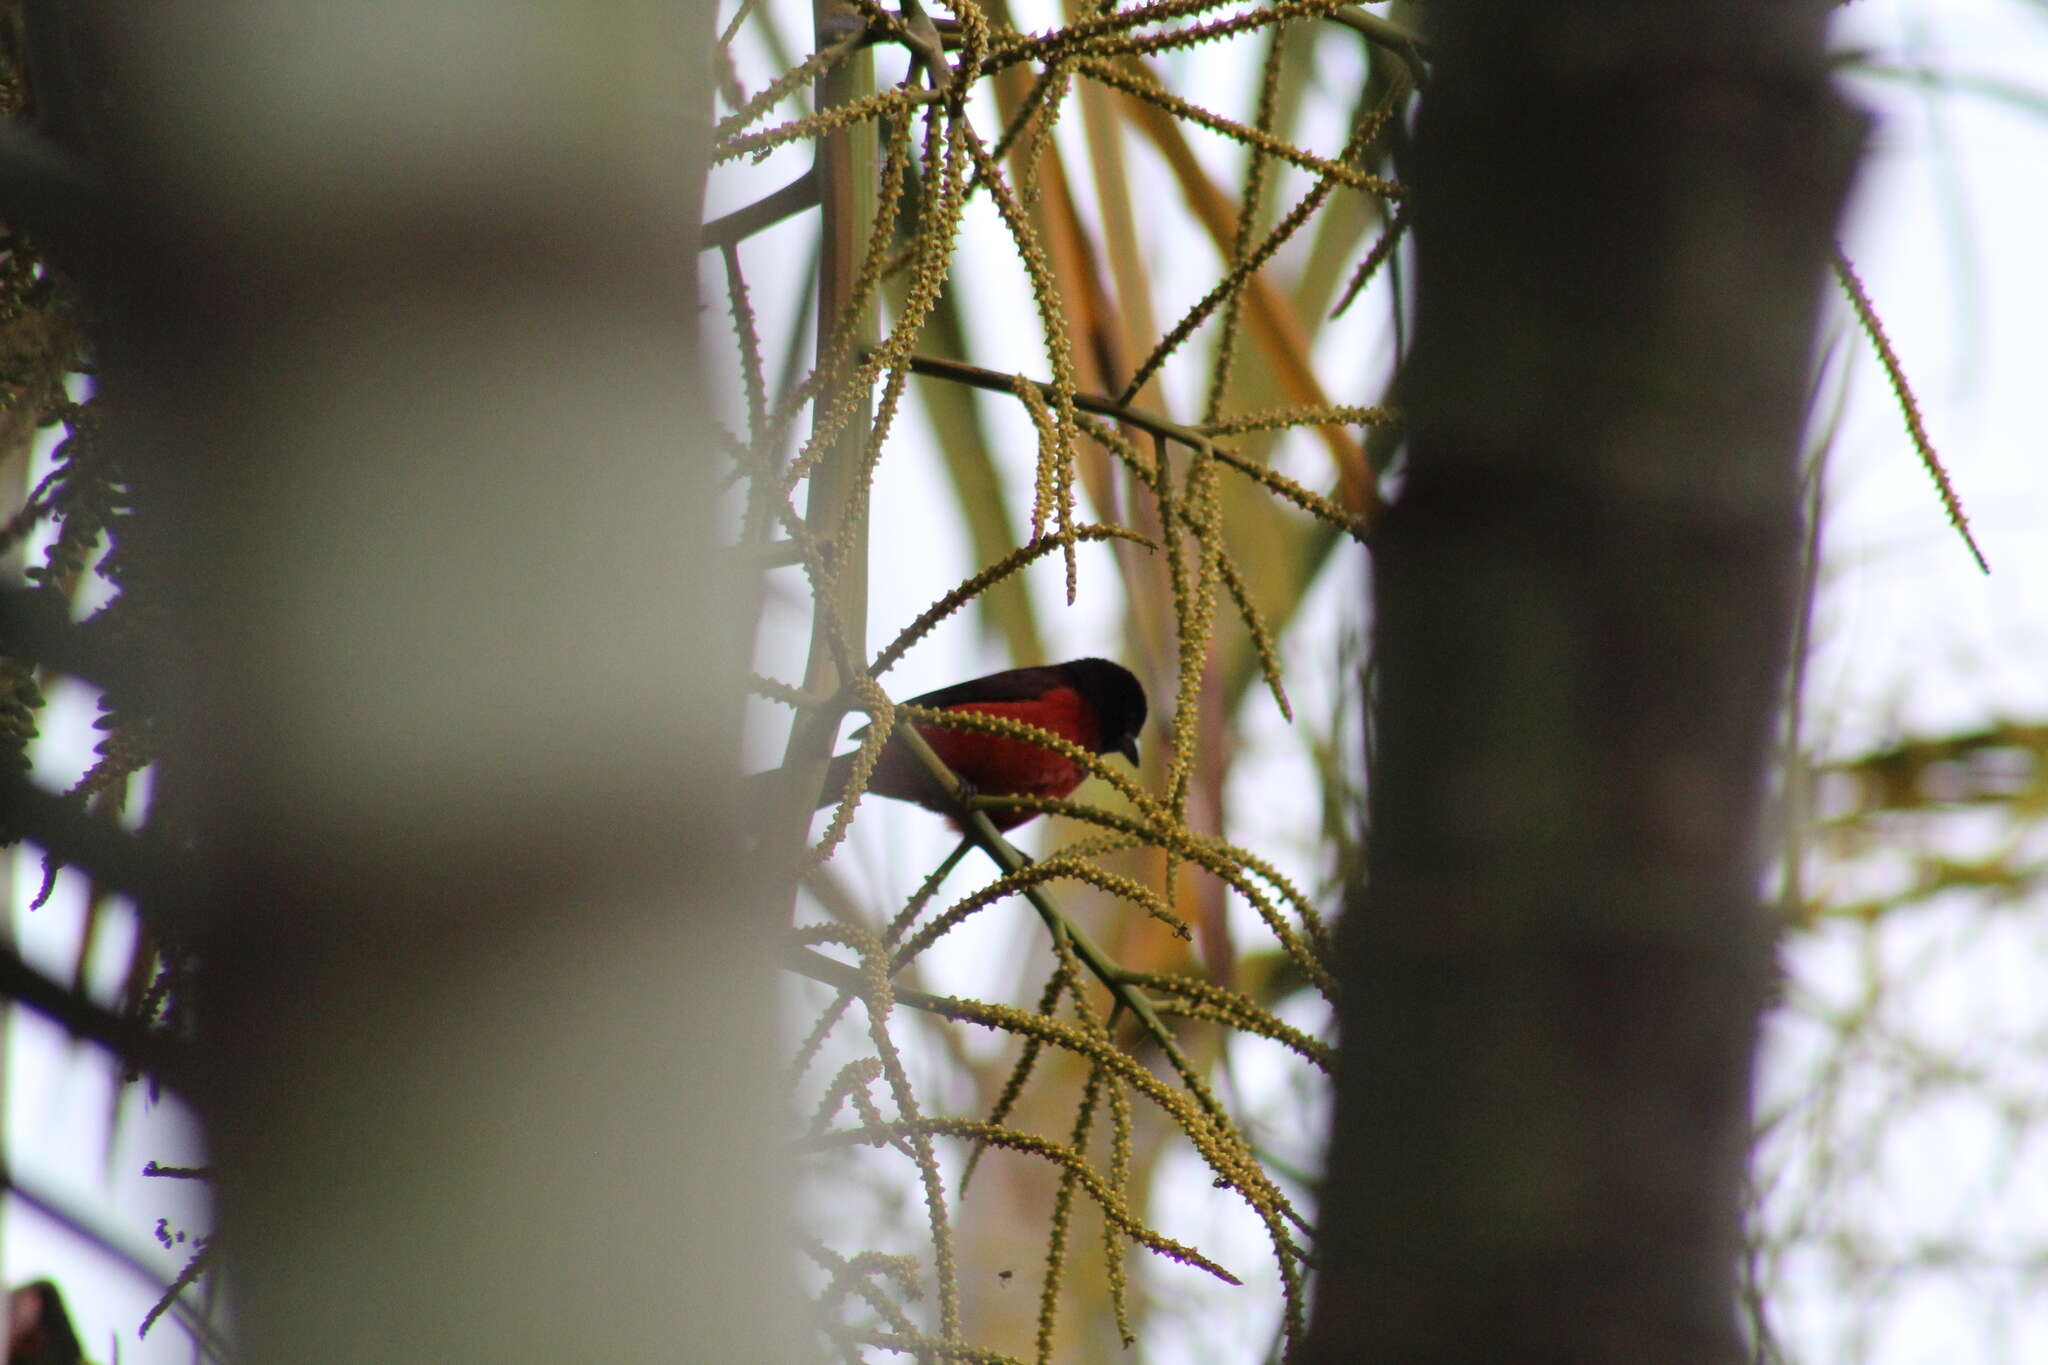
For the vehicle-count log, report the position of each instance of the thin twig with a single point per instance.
(1866, 313)
(732, 228)
(995, 381)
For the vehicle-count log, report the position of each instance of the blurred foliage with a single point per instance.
(1898, 1207)
(1902, 1124)
(69, 614)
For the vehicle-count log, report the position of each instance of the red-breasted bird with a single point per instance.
(1093, 703)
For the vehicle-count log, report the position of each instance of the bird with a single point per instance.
(1092, 703)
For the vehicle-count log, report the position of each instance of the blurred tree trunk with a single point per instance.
(402, 326)
(1582, 598)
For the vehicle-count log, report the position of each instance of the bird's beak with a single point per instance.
(1129, 749)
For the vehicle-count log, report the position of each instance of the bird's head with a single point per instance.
(1119, 700)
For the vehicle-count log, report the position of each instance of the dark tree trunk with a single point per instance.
(1554, 971)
